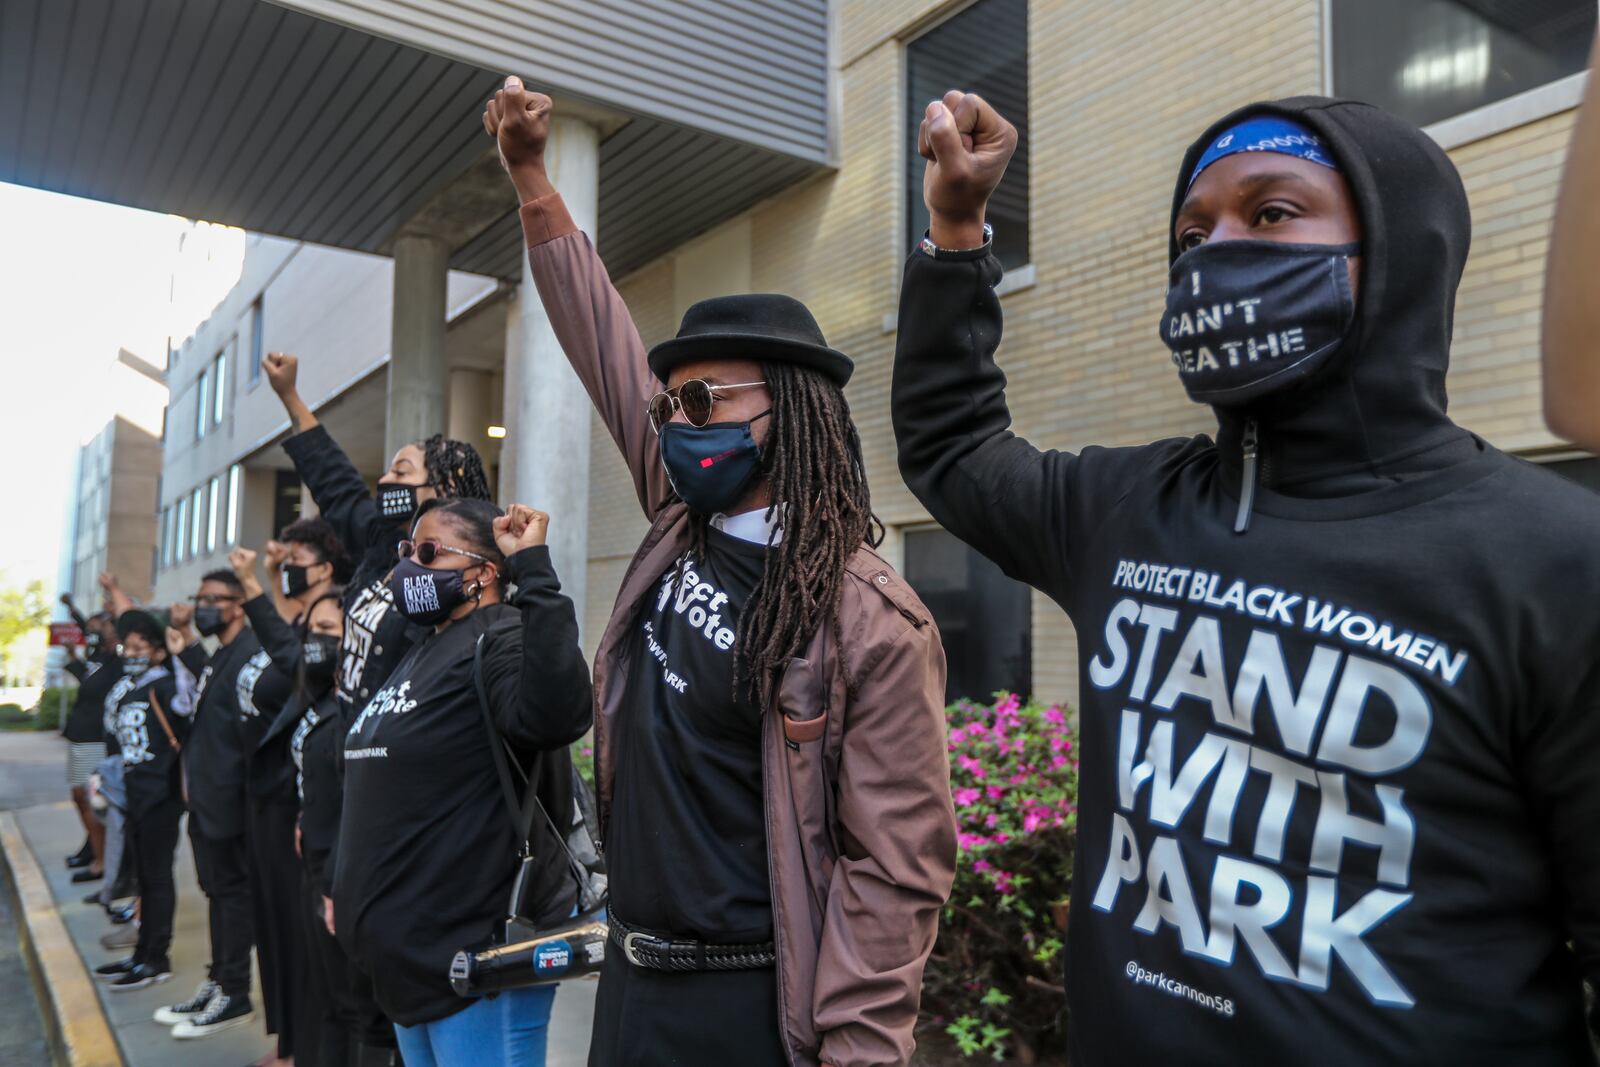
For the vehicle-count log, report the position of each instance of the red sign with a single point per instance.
(65, 633)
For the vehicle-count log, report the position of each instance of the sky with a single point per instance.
(79, 280)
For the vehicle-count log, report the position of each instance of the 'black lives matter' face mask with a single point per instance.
(1247, 318)
(424, 595)
(319, 655)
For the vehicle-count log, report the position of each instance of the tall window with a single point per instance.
(196, 518)
(983, 50)
(164, 556)
(180, 527)
(219, 386)
(256, 351)
(1430, 60)
(214, 515)
(233, 505)
(202, 404)
(984, 617)
(286, 501)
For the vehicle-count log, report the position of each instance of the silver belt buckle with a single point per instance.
(627, 947)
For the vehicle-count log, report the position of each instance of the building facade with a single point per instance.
(114, 529)
(1107, 96)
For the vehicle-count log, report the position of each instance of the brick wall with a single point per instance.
(1116, 94)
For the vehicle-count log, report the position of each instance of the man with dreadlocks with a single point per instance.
(769, 727)
(376, 635)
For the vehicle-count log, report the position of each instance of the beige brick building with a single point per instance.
(1116, 90)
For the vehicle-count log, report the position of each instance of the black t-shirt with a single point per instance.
(214, 757)
(315, 747)
(86, 720)
(150, 763)
(376, 638)
(687, 841)
(426, 849)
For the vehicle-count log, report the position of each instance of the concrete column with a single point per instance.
(471, 408)
(546, 454)
(418, 374)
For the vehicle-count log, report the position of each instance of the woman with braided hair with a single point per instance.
(769, 727)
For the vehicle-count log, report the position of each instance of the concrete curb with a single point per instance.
(75, 1023)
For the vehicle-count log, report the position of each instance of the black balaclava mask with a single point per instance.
(1374, 402)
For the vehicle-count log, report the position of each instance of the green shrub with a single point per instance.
(50, 712)
(13, 715)
(994, 982)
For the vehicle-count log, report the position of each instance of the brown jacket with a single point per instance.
(861, 832)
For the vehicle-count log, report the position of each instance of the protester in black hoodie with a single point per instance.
(83, 729)
(427, 850)
(1339, 703)
(150, 731)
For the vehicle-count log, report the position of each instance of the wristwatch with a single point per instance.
(928, 248)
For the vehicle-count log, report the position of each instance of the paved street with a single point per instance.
(32, 781)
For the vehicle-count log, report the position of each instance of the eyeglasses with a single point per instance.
(428, 551)
(694, 398)
(213, 601)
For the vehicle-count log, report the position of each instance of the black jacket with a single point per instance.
(215, 757)
(376, 636)
(1337, 799)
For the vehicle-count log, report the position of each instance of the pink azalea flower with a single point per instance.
(965, 798)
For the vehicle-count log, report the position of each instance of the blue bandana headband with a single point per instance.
(1266, 133)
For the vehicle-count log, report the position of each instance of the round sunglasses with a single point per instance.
(694, 398)
(428, 551)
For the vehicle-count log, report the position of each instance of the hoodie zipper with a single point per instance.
(1248, 476)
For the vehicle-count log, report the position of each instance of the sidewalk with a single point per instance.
(53, 831)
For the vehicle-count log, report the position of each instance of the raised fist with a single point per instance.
(274, 554)
(967, 145)
(176, 641)
(519, 121)
(180, 615)
(108, 581)
(519, 528)
(282, 372)
(243, 562)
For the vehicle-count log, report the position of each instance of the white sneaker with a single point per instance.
(223, 1013)
(177, 1013)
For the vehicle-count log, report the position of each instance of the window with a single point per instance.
(233, 505)
(256, 352)
(219, 386)
(214, 516)
(1430, 60)
(984, 617)
(163, 538)
(984, 50)
(179, 526)
(196, 516)
(202, 404)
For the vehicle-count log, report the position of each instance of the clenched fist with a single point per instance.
(967, 145)
(275, 553)
(519, 121)
(519, 528)
(282, 372)
(180, 615)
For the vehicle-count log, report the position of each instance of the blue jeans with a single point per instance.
(508, 1029)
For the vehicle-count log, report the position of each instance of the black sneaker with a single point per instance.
(86, 875)
(114, 969)
(221, 1014)
(188, 1009)
(81, 858)
(121, 916)
(142, 975)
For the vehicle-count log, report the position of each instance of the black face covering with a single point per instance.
(1247, 318)
(295, 580)
(208, 621)
(424, 595)
(710, 466)
(395, 501)
(319, 655)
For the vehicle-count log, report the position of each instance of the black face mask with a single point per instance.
(1247, 318)
(711, 466)
(133, 666)
(319, 656)
(208, 621)
(427, 596)
(395, 501)
(295, 580)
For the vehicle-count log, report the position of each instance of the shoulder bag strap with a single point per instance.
(161, 717)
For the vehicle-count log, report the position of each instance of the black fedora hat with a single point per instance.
(765, 327)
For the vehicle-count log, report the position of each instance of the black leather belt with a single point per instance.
(674, 954)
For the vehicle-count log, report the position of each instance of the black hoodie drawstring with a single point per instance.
(1247, 477)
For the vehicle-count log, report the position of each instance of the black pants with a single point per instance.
(352, 1025)
(280, 933)
(153, 836)
(655, 1019)
(223, 867)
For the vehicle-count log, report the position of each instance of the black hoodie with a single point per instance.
(1339, 799)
